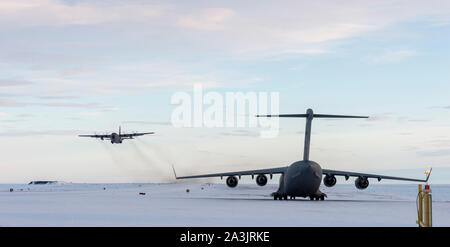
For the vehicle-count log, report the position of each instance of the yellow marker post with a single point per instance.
(427, 202)
(424, 204)
(420, 206)
(424, 207)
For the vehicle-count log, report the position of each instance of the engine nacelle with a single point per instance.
(362, 183)
(261, 180)
(232, 181)
(329, 181)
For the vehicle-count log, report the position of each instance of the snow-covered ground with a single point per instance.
(212, 205)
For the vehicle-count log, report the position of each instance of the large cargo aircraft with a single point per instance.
(303, 178)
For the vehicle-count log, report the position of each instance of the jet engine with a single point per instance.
(232, 181)
(362, 183)
(329, 181)
(261, 180)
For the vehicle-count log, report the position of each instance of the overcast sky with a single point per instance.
(79, 67)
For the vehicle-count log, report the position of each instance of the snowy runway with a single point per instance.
(212, 205)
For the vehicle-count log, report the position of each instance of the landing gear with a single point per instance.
(320, 197)
(276, 196)
(280, 197)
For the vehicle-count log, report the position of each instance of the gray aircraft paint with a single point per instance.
(117, 138)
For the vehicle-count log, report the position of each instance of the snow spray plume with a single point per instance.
(118, 162)
(156, 149)
(163, 156)
(113, 156)
(148, 160)
(167, 157)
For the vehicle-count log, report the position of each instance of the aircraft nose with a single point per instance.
(317, 174)
(314, 171)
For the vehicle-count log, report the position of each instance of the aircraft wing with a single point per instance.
(97, 136)
(277, 170)
(136, 134)
(379, 177)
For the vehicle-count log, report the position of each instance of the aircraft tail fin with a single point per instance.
(428, 172)
(174, 172)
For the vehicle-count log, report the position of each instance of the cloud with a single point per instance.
(240, 28)
(270, 28)
(25, 115)
(380, 117)
(55, 13)
(115, 47)
(68, 104)
(391, 117)
(58, 97)
(405, 133)
(442, 152)
(408, 119)
(13, 82)
(419, 120)
(77, 71)
(241, 133)
(440, 107)
(38, 132)
(12, 121)
(13, 103)
(304, 51)
(207, 19)
(36, 60)
(148, 122)
(391, 56)
(128, 77)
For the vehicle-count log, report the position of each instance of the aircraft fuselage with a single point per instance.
(302, 178)
(115, 138)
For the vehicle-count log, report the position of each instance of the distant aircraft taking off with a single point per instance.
(117, 138)
(303, 178)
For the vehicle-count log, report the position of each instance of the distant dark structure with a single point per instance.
(43, 182)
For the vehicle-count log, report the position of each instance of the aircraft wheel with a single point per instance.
(285, 197)
(322, 197)
(311, 198)
(277, 196)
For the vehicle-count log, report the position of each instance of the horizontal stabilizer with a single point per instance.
(337, 116)
(314, 116)
(284, 115)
